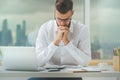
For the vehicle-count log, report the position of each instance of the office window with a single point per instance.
(21, 19)
(104, 27)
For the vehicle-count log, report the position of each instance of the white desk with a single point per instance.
(58, 74)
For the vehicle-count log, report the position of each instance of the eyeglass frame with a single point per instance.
(64, 20)
(60, 20)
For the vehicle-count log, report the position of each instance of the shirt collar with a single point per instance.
(55, 29)
(71, 26)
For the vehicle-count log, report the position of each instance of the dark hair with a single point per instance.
(63, 6)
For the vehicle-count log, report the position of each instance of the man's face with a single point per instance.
(63, 19)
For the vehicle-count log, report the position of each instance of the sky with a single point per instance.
(24, 6)
(104, 20)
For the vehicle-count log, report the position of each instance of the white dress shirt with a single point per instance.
(76, 52)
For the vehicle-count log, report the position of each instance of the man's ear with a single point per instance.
(72, 12)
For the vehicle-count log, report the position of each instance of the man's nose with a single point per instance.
(63, 23)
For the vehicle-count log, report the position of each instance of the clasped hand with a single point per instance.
(62, 35)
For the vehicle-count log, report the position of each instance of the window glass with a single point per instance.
(104, 27)
(20, 19)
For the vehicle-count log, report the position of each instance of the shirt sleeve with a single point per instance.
(43, 49)
(82, 52)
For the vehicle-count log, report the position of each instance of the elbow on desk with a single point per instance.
(87, 61)
(84, 62)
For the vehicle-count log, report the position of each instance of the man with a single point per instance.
(63, 41)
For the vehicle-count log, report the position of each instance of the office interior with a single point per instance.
(21, 19)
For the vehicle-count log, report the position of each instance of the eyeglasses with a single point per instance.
(63, 20)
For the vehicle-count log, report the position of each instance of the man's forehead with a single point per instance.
(63, 16)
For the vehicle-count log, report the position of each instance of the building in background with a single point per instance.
(21, 34)
(6, 36)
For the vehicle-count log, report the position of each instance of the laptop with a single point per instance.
(19, 58)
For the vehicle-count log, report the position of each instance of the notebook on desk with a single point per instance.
(19, 58)
(84, 69)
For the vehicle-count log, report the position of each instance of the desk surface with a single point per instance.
(57, 74)
(61, 74)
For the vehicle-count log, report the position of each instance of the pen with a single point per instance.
(53, 70)
(114, 52)
(117, 52)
